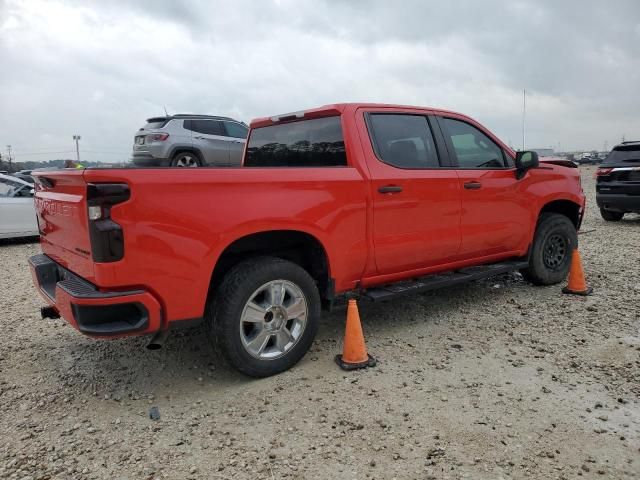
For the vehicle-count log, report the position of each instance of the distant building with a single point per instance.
(543, 152)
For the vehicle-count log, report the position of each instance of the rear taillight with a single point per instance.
(107, 238)
(157, 137)
(602, 172)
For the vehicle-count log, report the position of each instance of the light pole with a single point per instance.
(9, 150)
(77, 139)
(524, 113)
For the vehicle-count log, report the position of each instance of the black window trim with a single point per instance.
(452, 152)
(442, 159)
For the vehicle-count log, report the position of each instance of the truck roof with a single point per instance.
(337, 109)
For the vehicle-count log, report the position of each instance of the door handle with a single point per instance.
(472, 185)
(390, 189)
(199, 138)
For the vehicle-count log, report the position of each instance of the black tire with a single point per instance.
(553, 244)
(185, 159)
(610, 216)
(225, 309)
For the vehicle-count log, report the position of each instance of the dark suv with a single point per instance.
(618, 182)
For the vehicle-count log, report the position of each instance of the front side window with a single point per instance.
(236, 130)
(472, 148)
(403, 141)
(307, 143)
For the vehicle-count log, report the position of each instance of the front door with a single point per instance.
(495, 216)
(416, 196)
(210, 140)
(237, 134)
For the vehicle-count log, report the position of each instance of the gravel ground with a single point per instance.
(496, 379)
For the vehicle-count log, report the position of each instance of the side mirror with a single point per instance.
(525, 161)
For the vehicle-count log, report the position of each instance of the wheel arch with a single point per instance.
(568, 208)
(184, 149)
(297, 246)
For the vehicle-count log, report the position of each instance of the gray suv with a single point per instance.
(189, 141)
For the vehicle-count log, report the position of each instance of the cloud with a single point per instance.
(99, 69)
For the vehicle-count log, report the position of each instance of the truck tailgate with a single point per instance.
(61, 209)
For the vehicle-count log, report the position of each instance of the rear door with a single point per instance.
(209, 138)
(416, 195)
(237, 134)
(495, 217)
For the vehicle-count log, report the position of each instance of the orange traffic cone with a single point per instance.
(577, 284)
(354, 353)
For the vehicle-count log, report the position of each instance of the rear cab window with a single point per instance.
(317, 142)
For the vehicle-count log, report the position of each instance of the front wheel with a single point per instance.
(553, 244)
(610, 216)
(264, 316)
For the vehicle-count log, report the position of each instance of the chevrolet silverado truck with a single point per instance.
(348, 199)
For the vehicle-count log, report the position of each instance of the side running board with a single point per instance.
(433, 282)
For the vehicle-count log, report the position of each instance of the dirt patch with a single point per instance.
(496, 379)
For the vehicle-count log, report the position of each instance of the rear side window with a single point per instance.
(308, 143)
(236, 130)
(208, 127)
(472, 148)
(403, 141)
(623, 154)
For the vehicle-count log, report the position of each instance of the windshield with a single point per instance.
(622, 154)
(9, 188)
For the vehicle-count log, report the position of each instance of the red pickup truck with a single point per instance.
(364, 199)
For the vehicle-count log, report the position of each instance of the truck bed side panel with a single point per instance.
(179, 221)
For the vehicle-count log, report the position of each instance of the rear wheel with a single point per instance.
(264, 316)
(553, 244)
(610, 216)
(185, 159)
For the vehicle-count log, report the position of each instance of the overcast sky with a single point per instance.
(100, 69)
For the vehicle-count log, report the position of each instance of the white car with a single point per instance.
(17, 212)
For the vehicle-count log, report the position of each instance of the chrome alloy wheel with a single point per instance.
(273, 319)
(188, 161)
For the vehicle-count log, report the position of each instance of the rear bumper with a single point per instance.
(90, 310)
(618, 202)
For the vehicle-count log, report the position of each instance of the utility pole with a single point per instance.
(9, 149)
(524, 113)
(77, 139)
